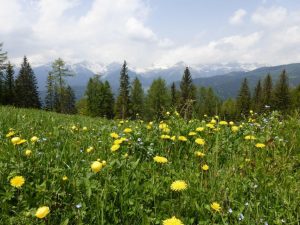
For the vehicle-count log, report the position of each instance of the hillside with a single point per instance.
(227, 85)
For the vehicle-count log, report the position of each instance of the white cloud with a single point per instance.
(238, 17)
(270, 17)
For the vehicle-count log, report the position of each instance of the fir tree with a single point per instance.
(282, 98)
(9, 85)
(244, 99)
(187, 94)
(26, 87)
(137, 98)
(50, 96)
(123, 100)
(158, 99)
(267, 91)
(258, 98)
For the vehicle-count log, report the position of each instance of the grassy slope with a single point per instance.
(260, 184)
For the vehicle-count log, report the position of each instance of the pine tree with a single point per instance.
(282, 98)
(267, 91)
(157, 100)
(244, 99)
(137, 98)
(26, 87)
(187, 94)
(50, 96)
(59, 73)
(122, 109)
(9, 85)
(258, 98)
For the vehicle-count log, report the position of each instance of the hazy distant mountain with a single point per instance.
(84, 70)
(228, 85)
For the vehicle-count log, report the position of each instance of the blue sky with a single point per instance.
(152, 33)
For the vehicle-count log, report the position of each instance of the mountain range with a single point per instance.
(225, 78)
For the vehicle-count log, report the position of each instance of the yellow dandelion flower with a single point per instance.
(17, 181)
(42, 212)
(205, 167)
(250, 137)
(165, 136)
(213, 121)
(21, 141)
(104, 163)
(223, 122)
(182, 138)
(166, 130)
(64, 178)
(172, 221)
(15, 140)
(231, 123)
(260, 145)
(28, 152)
(210, 125)
(89, 149)
(234, 129)
(199, 154)
(11, 133)
(192, 133)
(84, 128)
(96, 166)
(163, 126)
(160, 159)
(127, 130)
(34, 139)
(114, 148)
(216, 206)
(114, 135)
(199, 129)
(173, 138)
(199, 141)
(179, 185)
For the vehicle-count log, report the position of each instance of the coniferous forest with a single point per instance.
(133, 102)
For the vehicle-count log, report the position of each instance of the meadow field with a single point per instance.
(60, 169)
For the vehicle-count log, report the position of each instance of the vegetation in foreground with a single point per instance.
(59, 169)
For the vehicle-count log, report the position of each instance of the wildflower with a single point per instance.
(118, 141)
(230, 210)
(165, 136)
(172, 221)
(178, 185)
(21, 141)
(250, 137)
(104, 163)
(173, 138)
(260, 145)
(210, 125)
(182, 138)
(126, 155)
(231, 123)
(114, 148)
(241, 217)
(216, 206)
(84, 128)
(205, 167)
(114, 135)
(65, 178)
(200, 154)
(127, 130)
(34, 139)
(167, 113)
(15, 140)
(96, 166)
(89, 149)
(78, 206)
(166, 130)
(11, 133)
(234, 129)
(199, 129)
(213, 121)
(74, 127)
(17, 181)
(42, 212)
(160, 159)
(192, 133)
(163, 126)
(223, 123)
(199, 141)
(28, 152)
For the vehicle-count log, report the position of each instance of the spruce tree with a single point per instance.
(187, 94)
(157, 100)
(137, 98)
(69, 101)
(26, 87)
(122, 108)
(108, 100)
(258, 98)
(282, 98)
(9, 85)
(50, 96)
(93, 97)
(267, 91)
(244, 99)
